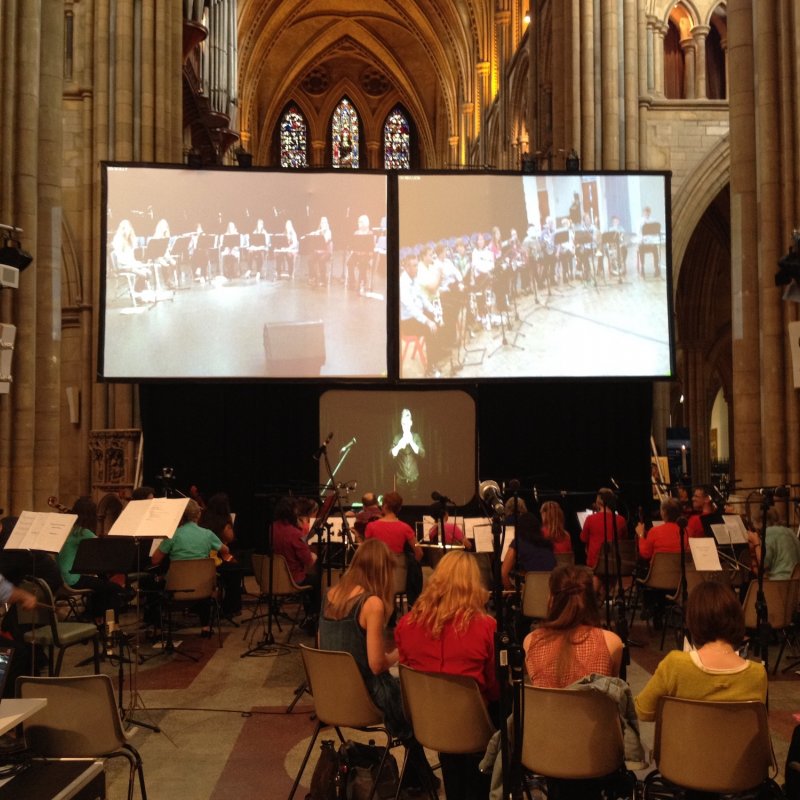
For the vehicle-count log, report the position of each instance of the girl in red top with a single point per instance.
(449, 631)
(553, 527)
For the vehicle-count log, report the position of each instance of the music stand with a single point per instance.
(104, 555)
(37, 530)
(154, 253)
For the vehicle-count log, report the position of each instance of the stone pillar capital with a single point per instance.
(482, 68)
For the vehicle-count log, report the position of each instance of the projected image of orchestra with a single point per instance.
(533, 276)
(239, 274)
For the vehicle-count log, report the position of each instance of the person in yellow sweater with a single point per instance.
(713, 670)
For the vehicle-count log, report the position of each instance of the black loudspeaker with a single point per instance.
(294, 349)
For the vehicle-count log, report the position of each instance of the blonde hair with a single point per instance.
(454, 594)
(372, 569)
(553, 520)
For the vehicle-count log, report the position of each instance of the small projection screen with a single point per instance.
(534, 276)
(412, 442)
(232, 273)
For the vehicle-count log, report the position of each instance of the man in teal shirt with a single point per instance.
(190, 541)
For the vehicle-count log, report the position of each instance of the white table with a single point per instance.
(14, 710)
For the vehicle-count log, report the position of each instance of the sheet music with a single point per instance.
(159, 516)
(481, 532)
(704, 554)
(582, 516)
(336, 530)
(41, 530)
(735, 524)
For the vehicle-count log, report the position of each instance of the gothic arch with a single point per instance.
(720, 10)
(689, 204)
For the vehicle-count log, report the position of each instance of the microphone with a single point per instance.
(491, 497)
(348, 445)
(441, 498)
(321, 449)
(774, 491)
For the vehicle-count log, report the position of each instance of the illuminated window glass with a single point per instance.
(293, 139)
(397, 141)
(344, 136)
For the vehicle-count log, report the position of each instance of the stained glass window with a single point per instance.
(344, 136)
(397, 141)
(293, 139)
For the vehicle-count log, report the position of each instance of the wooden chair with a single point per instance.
(536, 595)
(710, 747)
(341, 700)
(781, 598)
(190, 581)
(80, 721)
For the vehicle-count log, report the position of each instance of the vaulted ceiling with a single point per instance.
(418, 53)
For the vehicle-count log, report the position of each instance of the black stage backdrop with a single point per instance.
(256, 441)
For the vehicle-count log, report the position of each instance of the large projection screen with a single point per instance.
(534, 276)
(234, 273)
(368, 444)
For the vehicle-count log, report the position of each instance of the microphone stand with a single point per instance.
(762, 612)
(620, 614)
(509, 663)
(682, 521)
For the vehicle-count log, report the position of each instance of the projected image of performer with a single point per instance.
(259, 244)
(649, 241)
(286, 256)
(360, 259)
(482, 272)
(418, 317)
(322, 254)
(229, 251)
(123, 255)
(407, 450)
(164, 262)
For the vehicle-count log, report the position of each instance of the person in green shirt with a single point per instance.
(105, 593)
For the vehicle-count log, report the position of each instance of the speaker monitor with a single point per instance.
(294, 349)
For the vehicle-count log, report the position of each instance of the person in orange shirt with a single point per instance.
(664, 538)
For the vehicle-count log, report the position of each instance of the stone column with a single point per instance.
(317, 153)
(532, 121)
(373, 149)
(452, 152)
(586, 75)
(659, 33)
(634, 56)
(610, 85)
(502, 20)
(467, 130)
(483, 75)
(700, 34)
(745, 321)
(689, 47)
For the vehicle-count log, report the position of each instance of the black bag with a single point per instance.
(326, 782)
(359, 765)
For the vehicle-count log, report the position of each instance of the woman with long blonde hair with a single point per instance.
(449, 631)
(553, 527)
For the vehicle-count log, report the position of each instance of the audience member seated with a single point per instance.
(105, 593)
(396, 534)
(570, 643)
(782, 545)
(713, 670)
(452, 532)
(599, 527)
(289, 541)
(529, 552)
(370, 510)
(553, 527)
(217, 517)
(354, 616)
(449, 631)
(188, 542)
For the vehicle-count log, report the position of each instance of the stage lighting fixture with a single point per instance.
(573, 163)
(12, 255)
(526, 19)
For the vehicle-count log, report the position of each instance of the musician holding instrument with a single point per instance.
(482, 271)
(190, 541)
(783, 548)
(322, 254)
(417, 313)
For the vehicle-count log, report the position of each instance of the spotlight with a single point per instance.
(526, 19)
(12, 255)
(573, 163)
